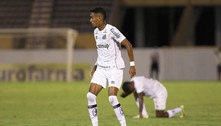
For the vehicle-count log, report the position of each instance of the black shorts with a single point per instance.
(154, 66)
(219, 68)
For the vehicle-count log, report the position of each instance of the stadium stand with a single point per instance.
(50, 13)
(15, 14)
(41, 13)
(75, 13)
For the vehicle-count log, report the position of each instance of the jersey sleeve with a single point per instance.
(117, 35)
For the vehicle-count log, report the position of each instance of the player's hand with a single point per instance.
(132, 71)
(138, 117)
(92, 72)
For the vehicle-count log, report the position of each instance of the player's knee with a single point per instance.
(160, 114)
(113, 100)
(91, 97)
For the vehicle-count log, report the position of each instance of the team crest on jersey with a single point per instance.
(104, 37)
(115, 33)
(112, 82)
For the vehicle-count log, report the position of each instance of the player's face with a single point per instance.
(95, 20)
(132, 86)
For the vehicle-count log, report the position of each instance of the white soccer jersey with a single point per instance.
(151, 88)
(108, 46)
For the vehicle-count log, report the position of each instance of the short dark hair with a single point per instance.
(125, 87)
(99, 10)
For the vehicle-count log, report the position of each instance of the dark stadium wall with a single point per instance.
(160, 25)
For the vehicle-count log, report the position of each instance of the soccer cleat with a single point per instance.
(182, 111)
(138, 116)
(145, 116)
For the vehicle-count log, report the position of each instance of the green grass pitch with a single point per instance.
(62, 104)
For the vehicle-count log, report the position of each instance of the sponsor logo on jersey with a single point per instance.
(115, 33)
(104, 36)
(103, 46)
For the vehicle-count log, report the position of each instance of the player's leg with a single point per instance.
(160, 104)
(151, 70)
(219, 75)
(219, 72)
(112, 93)
(115, 80)
(94, 90)
(161, 114)
(169, 113)
(157, 71)
(98, 82)
(173, 112)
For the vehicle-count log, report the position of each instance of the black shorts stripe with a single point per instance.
(92, 106)
(116, 106)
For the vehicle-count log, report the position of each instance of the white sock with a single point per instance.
(173, 111)
(144, 111)
(118, 110)
(92, 108)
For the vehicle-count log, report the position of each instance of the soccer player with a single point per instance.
(154, 65)
(109, 65)
(142, 86)
(218, 59)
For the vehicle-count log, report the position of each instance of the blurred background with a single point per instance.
(172, 39)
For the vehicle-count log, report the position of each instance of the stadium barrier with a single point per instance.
(175, 63)
(39, 39)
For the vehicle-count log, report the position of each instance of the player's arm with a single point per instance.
(135, 95)
(140, 96)
(93, 69)
(129, 47)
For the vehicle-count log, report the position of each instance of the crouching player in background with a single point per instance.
(142, 86)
